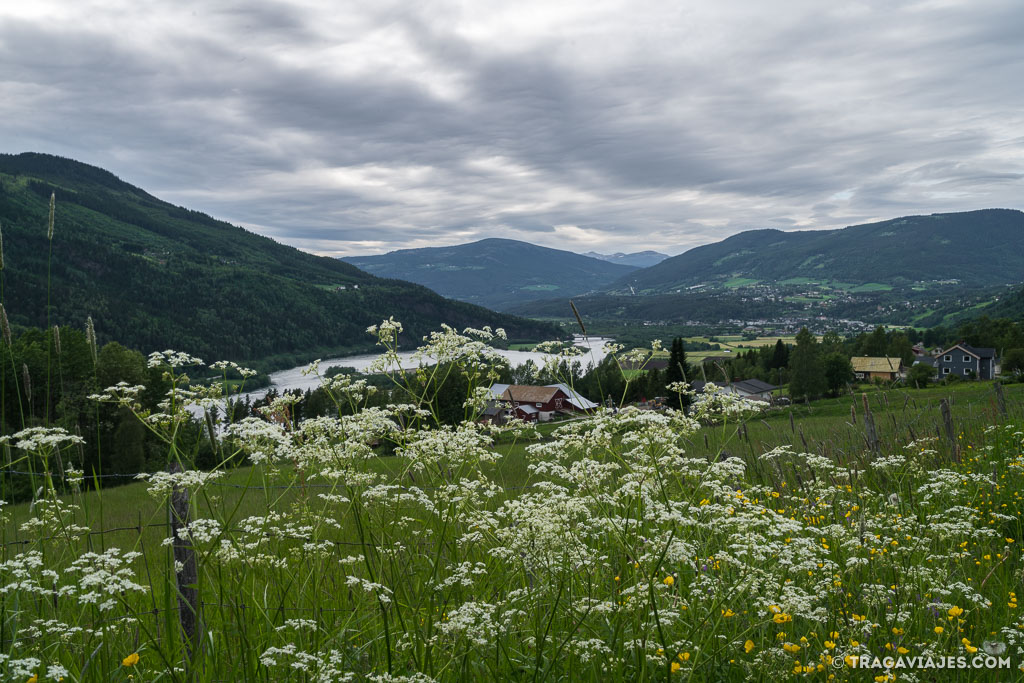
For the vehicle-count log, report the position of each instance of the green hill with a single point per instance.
(978, 248)
(156, 276)
(497, 273)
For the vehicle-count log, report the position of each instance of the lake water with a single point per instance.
(293, 378)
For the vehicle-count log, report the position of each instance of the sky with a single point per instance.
(347, 128)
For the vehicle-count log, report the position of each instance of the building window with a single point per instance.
(947, 359)
(540, 405)
(967, 359)
(945, 371)
(967, 371)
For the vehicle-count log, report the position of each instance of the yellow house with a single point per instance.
(870, 367)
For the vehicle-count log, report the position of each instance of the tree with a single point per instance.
(805, 367)
(838, 372)
(831, 342)
(1013, 361)
(920, 375)
(876, 343)
(678, 370)
(780, 356)
(900, 347)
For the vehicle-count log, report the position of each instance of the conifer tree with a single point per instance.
(678, 370)
(806, 379)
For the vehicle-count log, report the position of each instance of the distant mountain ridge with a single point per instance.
(497, 273)
(155, 276)
(984, 247)
(640, 259)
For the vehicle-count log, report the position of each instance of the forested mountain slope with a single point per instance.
(155, 276)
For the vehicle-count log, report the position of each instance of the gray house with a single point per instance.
(967, 361)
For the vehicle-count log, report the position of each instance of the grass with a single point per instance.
(735, 282)
(633, 546)
(825, 424)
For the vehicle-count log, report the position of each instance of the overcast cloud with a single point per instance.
(361, 127)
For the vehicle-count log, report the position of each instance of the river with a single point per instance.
(293, 378)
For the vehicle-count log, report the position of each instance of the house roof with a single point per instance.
(876, 364)
(526, 408)
(977, 352)
(924, 360)
(748, 386)
(575, 398)
(494, 408)
(524, 393)
(499, 389)
(755, 386)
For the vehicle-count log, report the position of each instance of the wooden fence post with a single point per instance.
(187, 579)
(870, 433)
(947, 423)
(1000, 398)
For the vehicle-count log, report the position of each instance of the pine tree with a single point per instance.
(806, 379)
(678, 370)
(780, 356)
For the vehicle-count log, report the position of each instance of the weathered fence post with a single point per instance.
(187, 578)
(870, 433)
(1000, 398)
(947, 423)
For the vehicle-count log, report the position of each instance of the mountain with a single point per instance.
(154, 276)
(640, 259)
(976, 247)
(497, 273)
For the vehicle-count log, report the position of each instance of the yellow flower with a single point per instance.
(130, 660)
(728, 613)
(791, 648)
(675, 667)
(954, 611)
(939, 629)
(970, 648)
(902, 650)
(33, 679)
(829, 644)
(669, 580)
(685, 656)
(748, 646)
(781, 618)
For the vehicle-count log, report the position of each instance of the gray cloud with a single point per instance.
(364, 127)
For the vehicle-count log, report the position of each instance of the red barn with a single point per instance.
(538, 404)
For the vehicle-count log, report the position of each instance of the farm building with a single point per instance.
(753, 389)
(537, 403)
(875, 367)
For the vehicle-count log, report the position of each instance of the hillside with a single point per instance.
(156, 276)
(1009, 306)
(978, 248)
(497, 273)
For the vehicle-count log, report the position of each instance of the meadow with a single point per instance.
(726, 544)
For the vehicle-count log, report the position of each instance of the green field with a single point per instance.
(735, 282)
(328, 558)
